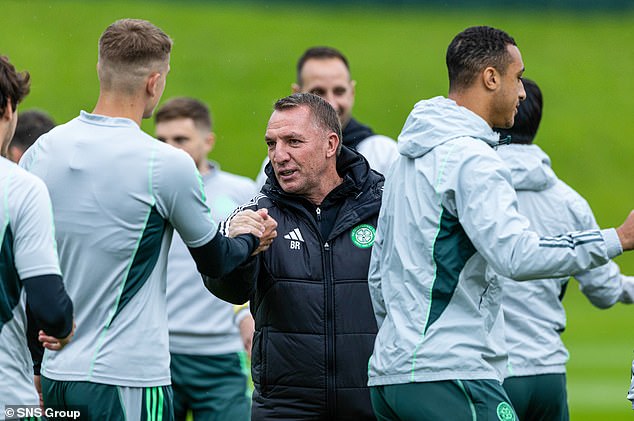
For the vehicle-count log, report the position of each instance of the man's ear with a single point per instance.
(491, 78)
(7, 114)
(152, 84)
(210, 141)
(295, 88)
(333, 144)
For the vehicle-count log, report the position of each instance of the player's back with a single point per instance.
(115, 194)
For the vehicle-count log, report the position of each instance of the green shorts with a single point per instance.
(456, 400)
(213, 387)
(541, 397)
(96, 401)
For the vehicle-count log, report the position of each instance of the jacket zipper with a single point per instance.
(330, 332)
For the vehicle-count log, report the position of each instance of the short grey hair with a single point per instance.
(321, 111)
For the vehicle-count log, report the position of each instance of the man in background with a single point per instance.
(207, 355)
(31, 125)
(325, 72)
(536, 370)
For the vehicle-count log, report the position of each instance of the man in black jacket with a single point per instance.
(314, 325)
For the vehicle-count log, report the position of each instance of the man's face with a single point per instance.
(182, 133)
(299, 151)
(330, 79)
(511, 92)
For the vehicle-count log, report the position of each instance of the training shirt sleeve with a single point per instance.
(486, 205)
(602, 285)
(32, 226)
(180, 196)
(182, 199)
(237, 286)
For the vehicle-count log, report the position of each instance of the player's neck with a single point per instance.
(119, 106)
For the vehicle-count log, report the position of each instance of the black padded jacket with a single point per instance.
(314, 323)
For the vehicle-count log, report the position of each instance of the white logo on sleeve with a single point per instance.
(296, 239)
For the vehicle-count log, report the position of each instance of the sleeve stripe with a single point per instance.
(253, 202)
(571, 240)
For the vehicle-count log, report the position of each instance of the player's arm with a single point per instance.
(486, 205)
(249, 233)
(237, 286)
(604, 286)
(222, 255)
(49, 312)
(180, 198)
(50, 308)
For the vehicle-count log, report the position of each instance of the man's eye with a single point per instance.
(318, 92)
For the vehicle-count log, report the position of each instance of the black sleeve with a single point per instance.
(50, 306)
(35, 346)
(237, 286)
(223, 254)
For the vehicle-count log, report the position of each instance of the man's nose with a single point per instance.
(280, 153)
(522, 93)
(331, 99)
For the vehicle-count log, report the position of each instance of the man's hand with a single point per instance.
(37, 380)
(55, 344)
(626, 232)
(247, 221)
(247, 327)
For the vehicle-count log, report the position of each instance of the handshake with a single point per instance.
(258, 223)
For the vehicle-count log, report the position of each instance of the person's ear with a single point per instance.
(210, 141)
(491, 78)
(333, 145)
(153, 84)
(296, 88)
(7, 114)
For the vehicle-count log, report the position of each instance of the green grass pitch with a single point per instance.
(240, 57)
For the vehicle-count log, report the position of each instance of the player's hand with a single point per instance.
(37, 381)
(55, 344)
(247, 327)
(258, 223)
(626, 232)
(246, 222)
(270, 231)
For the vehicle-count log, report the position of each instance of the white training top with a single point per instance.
(27, 250)
(116, 195)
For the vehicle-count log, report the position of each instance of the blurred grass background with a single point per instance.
(240, 57)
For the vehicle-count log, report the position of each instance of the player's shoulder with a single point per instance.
(170, 156)
(16, 175)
